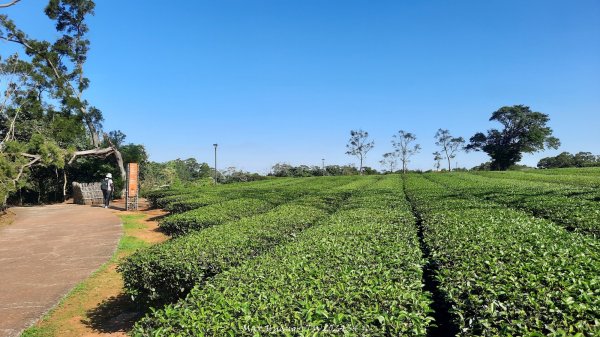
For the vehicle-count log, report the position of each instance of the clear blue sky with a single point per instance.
(285, 81)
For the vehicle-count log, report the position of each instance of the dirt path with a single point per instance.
(45, 252)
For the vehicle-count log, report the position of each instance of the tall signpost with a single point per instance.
(132, 191)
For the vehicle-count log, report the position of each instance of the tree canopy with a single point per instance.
(566, 159)
(287, 170)
(49, 132)
(524, 131)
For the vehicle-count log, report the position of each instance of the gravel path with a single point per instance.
(44, 253)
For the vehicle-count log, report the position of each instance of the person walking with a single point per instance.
(107, 187)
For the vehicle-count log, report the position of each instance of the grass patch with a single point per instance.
(130, 243)
(132, 221)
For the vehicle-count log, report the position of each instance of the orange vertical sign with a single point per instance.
(132, 179)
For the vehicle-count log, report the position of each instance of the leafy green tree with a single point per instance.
(566, 159)
(190, 169)
(134, 153)
(359, 145)
(369, 170)
(233, 175)
(153, 176)
(287, 170)
(585, 159)
(448, 144)
(176, 172)
(281, 170)
(116, 138)
(524, 131)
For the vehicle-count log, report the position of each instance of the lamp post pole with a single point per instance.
(323, 165)
(215, 145)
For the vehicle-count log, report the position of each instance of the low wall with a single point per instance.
(87, 193)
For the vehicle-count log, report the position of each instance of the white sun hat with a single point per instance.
(109, 175)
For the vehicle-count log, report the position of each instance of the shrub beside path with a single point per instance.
(44, 253)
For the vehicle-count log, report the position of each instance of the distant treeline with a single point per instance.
(188, 171)
(566, 159)
(287, 170)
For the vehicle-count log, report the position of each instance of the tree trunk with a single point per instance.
(92, 130)
(360, 170)
(121, 168)
(449, 166)
(57, 185)
(64, 185)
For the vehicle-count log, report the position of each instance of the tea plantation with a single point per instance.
(435, 254)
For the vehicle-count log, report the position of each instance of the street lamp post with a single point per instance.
(323, 165)
(215, 145)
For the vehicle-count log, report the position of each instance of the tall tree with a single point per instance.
(448, 144)
(524, 131)
(55, 83)
(359, 145)
(437, 158)
(402, 142)
(389, 159)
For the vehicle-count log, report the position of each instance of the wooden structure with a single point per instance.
(87, 193)
(132, 187)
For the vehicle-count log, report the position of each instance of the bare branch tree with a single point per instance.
(389, 159)
(450, 145)
(402, 144)
(437, 157)
(359, 146)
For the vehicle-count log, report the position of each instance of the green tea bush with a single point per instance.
(165, 272)
(358, 273)
(576, 179)
(554, 202)
(505, 272)
(168, 271)
(182, 223)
